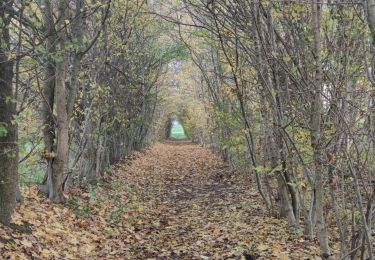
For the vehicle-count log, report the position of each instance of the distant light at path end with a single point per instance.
(177, 131)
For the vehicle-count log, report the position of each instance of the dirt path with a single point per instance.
(173, 201)
(190, 206)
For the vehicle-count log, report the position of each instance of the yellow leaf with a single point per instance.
(46, 253)
(263, 247)
(276, 249)
(26, 243)
(283, 256)
(73, 241)
(88, 249)
(30, 215)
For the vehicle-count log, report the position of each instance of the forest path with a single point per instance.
(192, 207)
(175, 200)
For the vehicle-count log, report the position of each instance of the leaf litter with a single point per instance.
(175, 200)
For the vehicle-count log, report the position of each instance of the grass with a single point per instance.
(177, 131)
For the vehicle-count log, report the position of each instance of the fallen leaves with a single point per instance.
(263, 247)
(175, 201)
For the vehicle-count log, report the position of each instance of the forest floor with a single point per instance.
(175, 200)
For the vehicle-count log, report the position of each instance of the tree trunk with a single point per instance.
(48, 94)
(287, 179)
(62, 122)
(370, 8)
(316, 138)
(56, 131)
(8, 133)
(62, 134)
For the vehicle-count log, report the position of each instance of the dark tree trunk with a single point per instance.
(8, 133)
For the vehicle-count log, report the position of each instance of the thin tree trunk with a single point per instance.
(48, 96)
(316, 138)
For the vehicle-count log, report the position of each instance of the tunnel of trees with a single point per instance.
(282, 90)
(175, 130)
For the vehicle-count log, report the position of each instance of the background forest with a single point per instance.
(282, 90)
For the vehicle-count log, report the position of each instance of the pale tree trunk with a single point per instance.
(48, 94)
(56, 131)
(88, 162)
(8, 135)
(62, 127)
(62, 134)
(100, 159)
(316, 134)
(89, 168)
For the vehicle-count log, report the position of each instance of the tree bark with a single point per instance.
(62, 122)
(316, 132)
(48, 94)
(370, 9)
(8, 135)
(56, 130)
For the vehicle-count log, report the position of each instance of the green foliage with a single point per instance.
(3, 130)
(206, 36)
(174, 51)
(85, 207)
(117, 185)
(82, 209)
(28, 176)
(116, 214)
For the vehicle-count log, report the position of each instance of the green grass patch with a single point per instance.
(177, 131)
